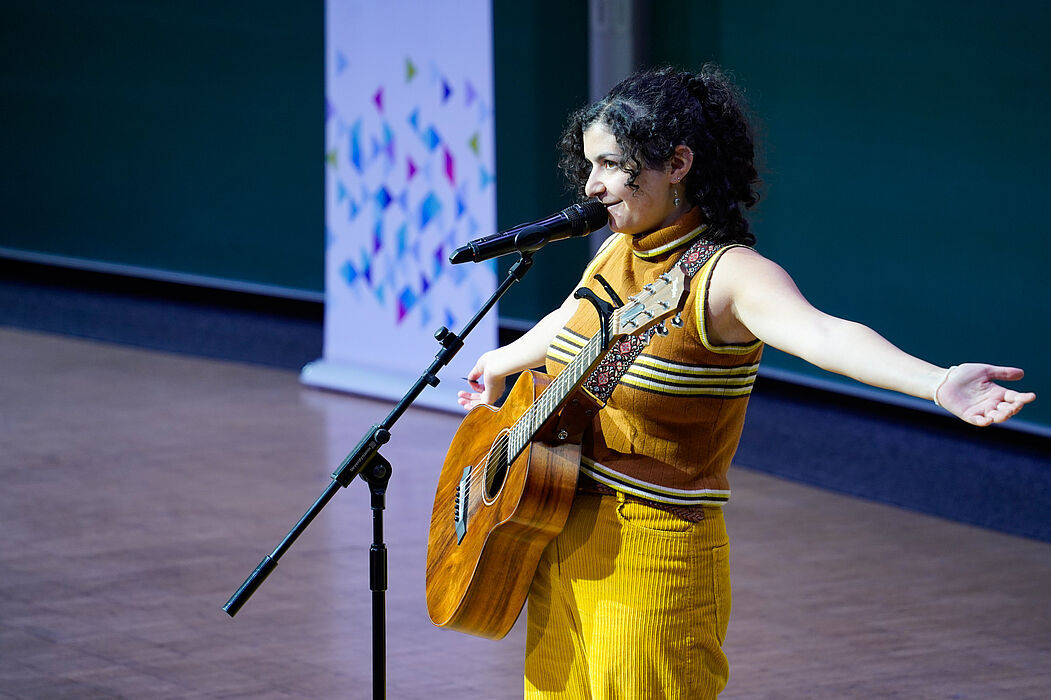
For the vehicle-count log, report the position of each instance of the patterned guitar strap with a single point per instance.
(623, 353)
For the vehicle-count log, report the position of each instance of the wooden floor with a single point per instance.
(140, 489)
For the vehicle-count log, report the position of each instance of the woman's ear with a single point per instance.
(680, 163)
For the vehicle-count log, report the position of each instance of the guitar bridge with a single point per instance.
(463, 495)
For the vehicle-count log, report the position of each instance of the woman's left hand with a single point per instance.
(971, 393)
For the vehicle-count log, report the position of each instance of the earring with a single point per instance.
(675, 195)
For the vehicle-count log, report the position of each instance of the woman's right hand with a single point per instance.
(486, 385)
(488, 377)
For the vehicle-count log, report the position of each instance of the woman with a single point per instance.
(631, 600)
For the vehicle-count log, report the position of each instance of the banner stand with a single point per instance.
(409, 178)
(379, 384)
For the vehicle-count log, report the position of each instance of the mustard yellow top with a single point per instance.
(672, 425)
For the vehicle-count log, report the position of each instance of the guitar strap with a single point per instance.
(623, 353)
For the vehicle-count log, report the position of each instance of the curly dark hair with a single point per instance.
(652, 112)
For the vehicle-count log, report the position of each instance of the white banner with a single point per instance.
(409, 177)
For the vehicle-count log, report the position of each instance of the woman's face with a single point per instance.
(644, 210)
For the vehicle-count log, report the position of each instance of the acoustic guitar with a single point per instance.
(510, 475)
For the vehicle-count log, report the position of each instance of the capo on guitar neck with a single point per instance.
(604, 308)
(613, 296)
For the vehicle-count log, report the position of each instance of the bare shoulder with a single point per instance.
(742, 256)
(745, 284)
(741, 269)
(733, 267)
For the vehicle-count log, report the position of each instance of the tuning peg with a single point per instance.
(662, 329)
(677, 321)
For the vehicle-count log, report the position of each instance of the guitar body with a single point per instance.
(510, 475)
(487, 532)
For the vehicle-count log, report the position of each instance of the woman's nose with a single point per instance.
(593, 187)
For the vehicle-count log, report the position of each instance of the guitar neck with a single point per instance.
(554, 396)
(657, 300)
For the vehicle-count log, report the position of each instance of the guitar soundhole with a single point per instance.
(496, 467)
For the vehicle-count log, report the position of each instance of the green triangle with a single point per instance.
(474, 143)
(331, 157)
(410, 70)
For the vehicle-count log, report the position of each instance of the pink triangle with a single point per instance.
(449, 166)
(378, 99)
(412, 169)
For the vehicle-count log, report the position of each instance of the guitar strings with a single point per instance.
(526, 422)
(587, 355)
(477, 475)
(478, 472)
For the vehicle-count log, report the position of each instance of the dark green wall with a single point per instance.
(185, 137)
(906, 150)
(540, 67)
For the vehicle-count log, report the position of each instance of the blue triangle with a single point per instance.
(356, 158)
(429, 209)
(348, 273)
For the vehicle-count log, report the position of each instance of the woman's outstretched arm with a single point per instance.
(752, 294)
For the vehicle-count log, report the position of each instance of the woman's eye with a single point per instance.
(610, 164)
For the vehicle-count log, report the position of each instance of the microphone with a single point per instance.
(572, 222)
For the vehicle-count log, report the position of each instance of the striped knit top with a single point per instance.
(671, 427)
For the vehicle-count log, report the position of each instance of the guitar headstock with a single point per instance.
(655, 302)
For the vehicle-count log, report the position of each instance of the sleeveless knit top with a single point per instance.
(671, 426)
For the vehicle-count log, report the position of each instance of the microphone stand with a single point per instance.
(365, 461)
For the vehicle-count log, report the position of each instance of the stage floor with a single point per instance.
(141, 488)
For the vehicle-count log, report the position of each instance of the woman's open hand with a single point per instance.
(970, 392)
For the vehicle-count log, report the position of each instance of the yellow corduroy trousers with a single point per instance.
(629, 602)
